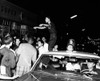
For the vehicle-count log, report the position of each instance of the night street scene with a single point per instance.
(49, 41)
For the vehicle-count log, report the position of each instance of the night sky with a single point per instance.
(88, 15)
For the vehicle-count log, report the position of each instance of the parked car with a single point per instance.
(54, 66)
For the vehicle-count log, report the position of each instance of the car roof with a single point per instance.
(77, 54)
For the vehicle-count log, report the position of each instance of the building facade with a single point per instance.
(11, 13)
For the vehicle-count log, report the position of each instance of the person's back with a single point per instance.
(7, 54)
(27, 53)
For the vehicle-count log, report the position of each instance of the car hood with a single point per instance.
(64, 76)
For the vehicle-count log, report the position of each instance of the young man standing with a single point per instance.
(26, 53)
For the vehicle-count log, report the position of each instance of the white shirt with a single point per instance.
(69, 66)
(55, 49)
(77, 66)
(41, 50)
(46, 47)
(27, 54)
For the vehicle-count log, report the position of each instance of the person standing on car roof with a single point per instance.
(52, 30)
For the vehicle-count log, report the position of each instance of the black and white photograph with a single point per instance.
(49, 40)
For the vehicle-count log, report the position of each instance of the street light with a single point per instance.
(73, 16)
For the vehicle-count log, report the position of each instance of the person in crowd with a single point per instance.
(72, 41)
(71, 45)
(69, 66)
(45, 44)
(91, 66)
(38, 38)
(98, 65)
(8, 61)
(40, 47)
(16, 44)
(27, 54)
(84, 66)
(70, 48)
(55, 48)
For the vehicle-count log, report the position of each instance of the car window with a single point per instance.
(65, 66)
(64, 63)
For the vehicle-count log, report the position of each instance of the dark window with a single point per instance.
(2, 8)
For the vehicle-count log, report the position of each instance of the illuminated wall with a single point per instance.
(15, 13)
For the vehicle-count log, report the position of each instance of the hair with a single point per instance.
(41, 41)
(48, 18)
(73, 41)
(30, 37)
(44, 38)
(7, 40)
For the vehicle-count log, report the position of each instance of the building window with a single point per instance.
(8, 11)
(2, 8)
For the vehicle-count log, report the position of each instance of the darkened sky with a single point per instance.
(88, 13)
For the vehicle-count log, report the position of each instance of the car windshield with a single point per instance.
(65, 63)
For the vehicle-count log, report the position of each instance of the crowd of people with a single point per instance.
(18, 55)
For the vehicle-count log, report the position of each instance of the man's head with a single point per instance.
(40, 43)
(70, 47)
(30, 40)
(72, 41)
(8, 41)
(56, 46)
(43, 39)
(17, 42)
(47, 20)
